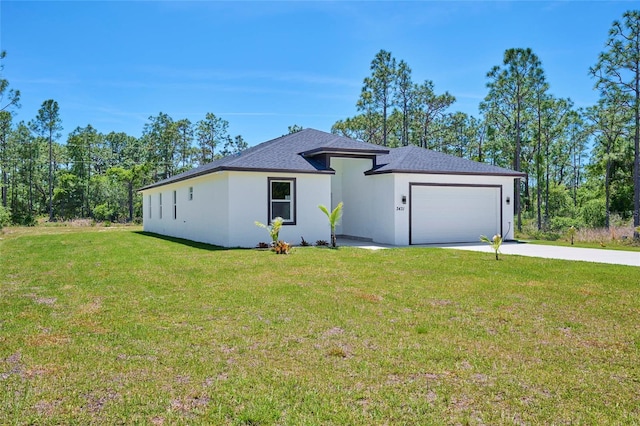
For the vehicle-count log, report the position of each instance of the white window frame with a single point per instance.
(291, 200)
(191, 193)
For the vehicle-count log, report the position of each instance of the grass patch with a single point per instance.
(623, 245)
(109, 325)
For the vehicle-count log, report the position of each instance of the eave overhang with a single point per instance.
(235, 169)
(514, 175)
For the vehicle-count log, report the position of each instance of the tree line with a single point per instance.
(95, 175)
(582, 164)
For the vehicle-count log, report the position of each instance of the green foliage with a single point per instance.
(9, 98)
(394, 111)
(495, 242)
(91, 168)
(594, 213)
(333, 216)
(48, 124)
(617, 74)
(23, 218)
(211, 135)
(103, 212)
(561, 223)
(273, 229)
(195, 334)
(234, 146)
(294, 129)
(5, 216)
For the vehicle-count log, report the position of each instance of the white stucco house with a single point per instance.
(396, 196)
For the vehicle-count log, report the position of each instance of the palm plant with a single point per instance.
(273, 229)
(572, 233)
(333, 217)
(494, 242)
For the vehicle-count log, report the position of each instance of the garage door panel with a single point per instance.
(448, 214)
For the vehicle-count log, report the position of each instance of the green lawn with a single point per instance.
(107, 326)
(608, 245)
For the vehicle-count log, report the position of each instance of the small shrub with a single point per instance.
(545, 235)
(23, 219)
(560, 223)
(304, 243)
(102, 212)
(322, 243)
(281, 247)
(594, 213)
(262, 245)
(106, 223)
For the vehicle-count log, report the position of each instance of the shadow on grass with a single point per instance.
(194, 244)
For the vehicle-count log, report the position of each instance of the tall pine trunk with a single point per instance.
(50, 176)
(636, 162)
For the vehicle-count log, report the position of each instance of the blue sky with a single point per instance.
(266, 65)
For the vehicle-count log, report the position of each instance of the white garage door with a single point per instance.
(453, 214)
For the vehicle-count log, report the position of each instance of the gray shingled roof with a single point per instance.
(413, 159)
(294, 154)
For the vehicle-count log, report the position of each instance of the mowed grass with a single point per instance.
(108, 326)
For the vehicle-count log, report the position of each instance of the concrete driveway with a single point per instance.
(616, 257)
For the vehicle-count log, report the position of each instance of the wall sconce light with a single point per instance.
(508, 200)
(404, 199)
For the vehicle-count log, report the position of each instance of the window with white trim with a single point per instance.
(160, 209)
(190, 193)
(149, 204)
(282, 199)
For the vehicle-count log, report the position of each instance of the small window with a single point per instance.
(175, 205)
(282, 200)
(160, 209)
(190, 193)
(149, 205)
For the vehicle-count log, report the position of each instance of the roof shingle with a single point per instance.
(294, 153)
(413, 159)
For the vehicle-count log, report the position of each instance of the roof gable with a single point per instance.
(292, 153)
